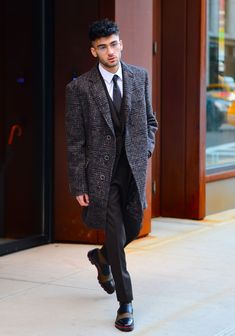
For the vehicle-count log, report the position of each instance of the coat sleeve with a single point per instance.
(152, 123)
(76, 142)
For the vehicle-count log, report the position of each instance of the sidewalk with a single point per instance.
(183, 279)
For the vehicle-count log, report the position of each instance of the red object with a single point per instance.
(15, 128)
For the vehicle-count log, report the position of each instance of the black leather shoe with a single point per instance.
(104, 277)
(125, 320)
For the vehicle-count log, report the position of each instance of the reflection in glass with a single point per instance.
(220, 95)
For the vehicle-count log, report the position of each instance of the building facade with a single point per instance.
(188, 48)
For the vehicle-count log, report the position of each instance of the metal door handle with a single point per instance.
(16, 128)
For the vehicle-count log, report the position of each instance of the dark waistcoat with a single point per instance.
(118, 118)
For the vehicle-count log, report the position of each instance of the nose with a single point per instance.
(110, 50)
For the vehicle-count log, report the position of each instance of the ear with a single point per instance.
(121, 45)
(93, 51)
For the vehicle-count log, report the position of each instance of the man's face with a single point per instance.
(108, 51)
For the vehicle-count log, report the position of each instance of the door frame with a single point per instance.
(156, 103)
(183, 107)
(44, 17)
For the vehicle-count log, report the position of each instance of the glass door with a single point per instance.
(22, 218)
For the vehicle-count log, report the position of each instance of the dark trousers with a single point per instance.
(119, 232)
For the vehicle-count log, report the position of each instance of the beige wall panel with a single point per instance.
(220, 196)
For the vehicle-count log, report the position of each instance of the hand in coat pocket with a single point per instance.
(83, 200)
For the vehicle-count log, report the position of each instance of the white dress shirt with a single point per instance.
(108, 79)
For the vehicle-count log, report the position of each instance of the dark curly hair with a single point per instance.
(102, 28)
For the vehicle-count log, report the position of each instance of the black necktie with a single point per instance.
(117, 97)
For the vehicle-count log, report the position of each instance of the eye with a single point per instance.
(102, 48)
(114, 44)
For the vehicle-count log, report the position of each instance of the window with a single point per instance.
(220, 95)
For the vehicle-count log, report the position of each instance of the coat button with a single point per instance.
(102, 177)
(108, 137)
(106, 157)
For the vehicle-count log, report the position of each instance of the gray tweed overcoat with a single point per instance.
(92, 143)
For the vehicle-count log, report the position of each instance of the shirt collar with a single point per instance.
(108, 76)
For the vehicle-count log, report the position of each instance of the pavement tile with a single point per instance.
(183, 280)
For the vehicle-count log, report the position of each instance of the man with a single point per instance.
(110, 130)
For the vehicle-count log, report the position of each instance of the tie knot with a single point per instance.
(115, 78)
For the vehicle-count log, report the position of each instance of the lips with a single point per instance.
(113, 59)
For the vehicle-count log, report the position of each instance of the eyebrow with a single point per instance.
(104, 45)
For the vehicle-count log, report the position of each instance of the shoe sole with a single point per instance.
(93, 262)
(123, 328)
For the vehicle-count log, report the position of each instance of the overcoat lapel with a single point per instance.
(100, 97)
(127, 89)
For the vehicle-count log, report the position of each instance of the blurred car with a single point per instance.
(231, 114)
(216, 112)
(221, 91)
(220, 103)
